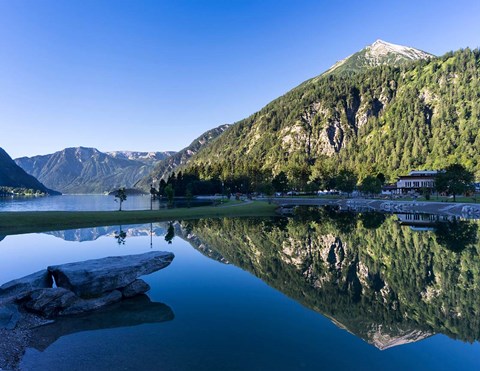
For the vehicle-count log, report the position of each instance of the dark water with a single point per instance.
(321, 290)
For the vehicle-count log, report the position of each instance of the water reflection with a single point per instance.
(388, 279)
(132, 312)
(371, 275)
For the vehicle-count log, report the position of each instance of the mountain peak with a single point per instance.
(379, 53)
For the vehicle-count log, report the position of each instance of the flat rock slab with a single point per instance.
(92, 278)
(24, 285)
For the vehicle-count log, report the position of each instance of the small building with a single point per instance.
(416, 180)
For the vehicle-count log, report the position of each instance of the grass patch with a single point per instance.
(43, 221)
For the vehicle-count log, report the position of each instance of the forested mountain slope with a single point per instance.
(422, 115)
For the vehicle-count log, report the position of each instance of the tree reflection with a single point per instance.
(120, 236)
(455, 234)
(170, 233)
(372, 219)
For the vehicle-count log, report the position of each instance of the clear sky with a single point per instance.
(153, 75)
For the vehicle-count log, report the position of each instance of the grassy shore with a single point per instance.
(43, 221)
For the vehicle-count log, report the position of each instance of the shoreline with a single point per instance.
(452, 209)
(20, 222)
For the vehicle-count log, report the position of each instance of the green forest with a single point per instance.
(365, 271)
(388, 120)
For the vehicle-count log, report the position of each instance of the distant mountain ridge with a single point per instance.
(164, 168)
(377, 54)
(13, 176)
(87, 170)
(148, 158)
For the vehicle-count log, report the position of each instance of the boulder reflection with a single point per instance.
(132, 312)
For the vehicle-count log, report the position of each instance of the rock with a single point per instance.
(92, 278)
(137, 287)
(88, 305)
(24, 285)
(9, 316)
(49, 302)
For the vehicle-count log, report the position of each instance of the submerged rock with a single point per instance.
(92, 278)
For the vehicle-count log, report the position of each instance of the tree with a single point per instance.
(371, 185)
(456, 179)
(170, 193)
(280, 182)
(120, 196)
(346, 180)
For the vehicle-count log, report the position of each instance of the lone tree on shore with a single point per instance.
(454, 180)
(121, 195)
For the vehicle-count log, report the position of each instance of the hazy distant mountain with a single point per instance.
(164, 168)
(379, 53)
(148, 158)
(87, 170)
(13, 176)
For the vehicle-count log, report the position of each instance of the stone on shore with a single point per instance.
(92, 278)
(22, 286)
(88, 305)
(50, 302)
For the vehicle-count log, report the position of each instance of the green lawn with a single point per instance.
(42, 221)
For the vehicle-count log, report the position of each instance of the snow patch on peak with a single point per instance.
(382, 48)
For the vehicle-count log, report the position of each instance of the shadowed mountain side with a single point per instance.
(132, 312)
(388, 286)
(13, 176)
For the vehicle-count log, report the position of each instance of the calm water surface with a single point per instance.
(80, 203)
(322, 291)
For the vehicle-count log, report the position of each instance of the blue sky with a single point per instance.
(153, 75)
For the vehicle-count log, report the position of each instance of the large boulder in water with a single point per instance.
(92, 278)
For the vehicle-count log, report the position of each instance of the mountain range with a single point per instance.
(387, 108)
(87, 170)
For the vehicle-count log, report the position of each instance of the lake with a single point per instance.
(319, 290)
(86, 203)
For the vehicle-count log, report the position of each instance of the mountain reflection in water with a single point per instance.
(380, 280)
(389, 280)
